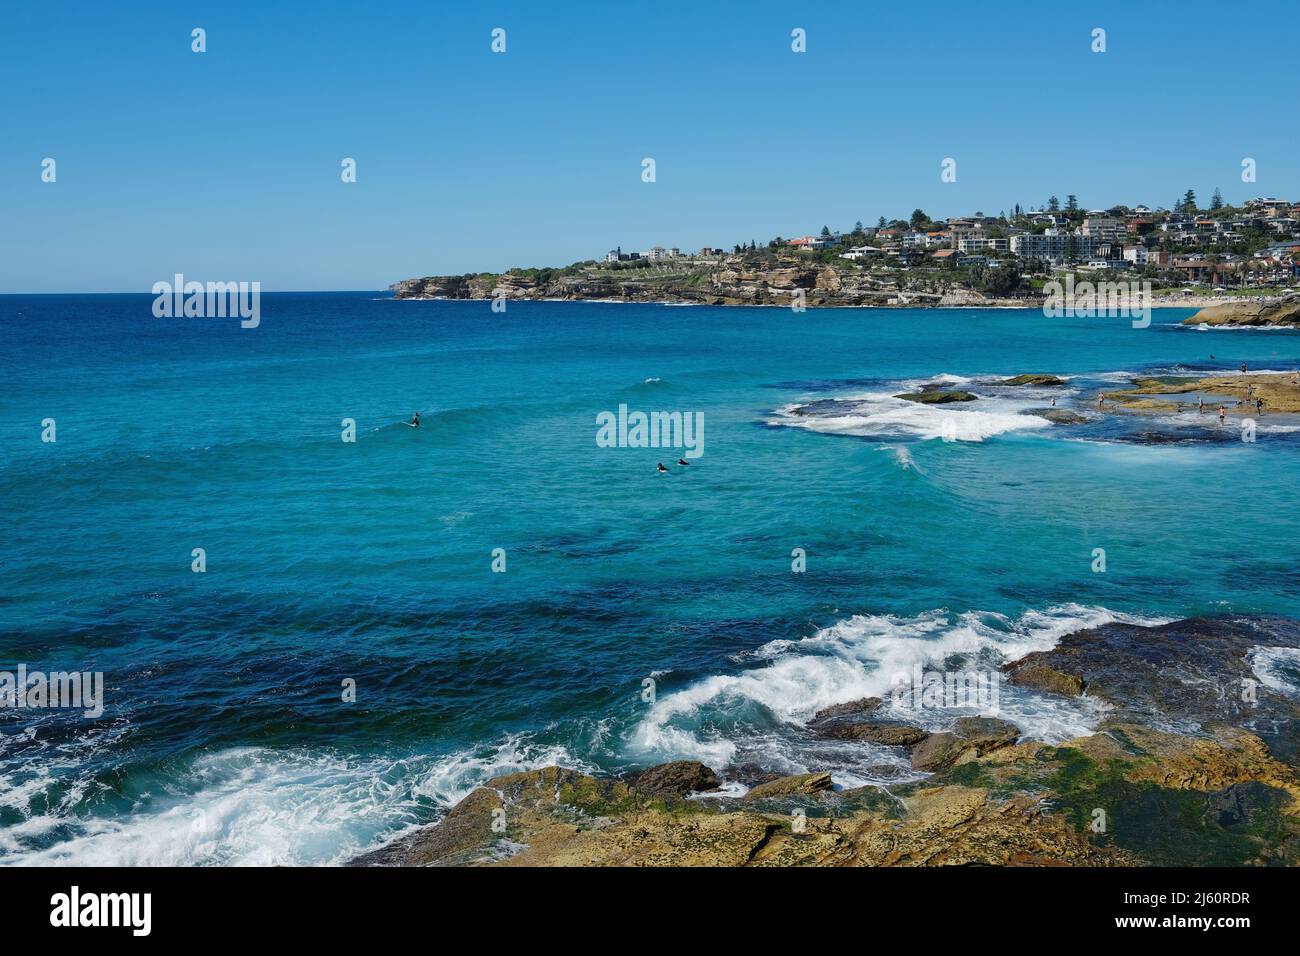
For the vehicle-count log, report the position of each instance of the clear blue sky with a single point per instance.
(225, 165)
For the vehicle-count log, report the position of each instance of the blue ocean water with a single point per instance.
(225, 738)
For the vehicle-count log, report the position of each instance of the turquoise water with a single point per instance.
(224, 737)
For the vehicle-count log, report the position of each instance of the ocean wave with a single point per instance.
(881, 415)
(452, 778)
(257, 806)
(718, 719)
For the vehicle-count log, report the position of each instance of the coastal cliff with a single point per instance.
(779, 281)
(734, 280)
(1196, 762)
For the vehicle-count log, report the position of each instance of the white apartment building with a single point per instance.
(1054, 246)
(982, 244)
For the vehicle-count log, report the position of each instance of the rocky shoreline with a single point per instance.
(1271, 313)
(729, 284)
(1279, 392)
(1196, 762)
(733, 283)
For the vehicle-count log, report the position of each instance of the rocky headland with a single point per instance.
(1246, 313)
(1196, 762)
(733, 280)
(778, 280)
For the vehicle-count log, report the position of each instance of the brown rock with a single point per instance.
(892, 735)
(986, 733)
(971, 737)
(677, 778)
(788, 786)
(1031, 673)
(863, 705)
(938, 751)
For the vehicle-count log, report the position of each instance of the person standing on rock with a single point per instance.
(1223, 414)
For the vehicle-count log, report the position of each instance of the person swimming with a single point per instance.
(662, 469)
(415, 420)
(683, 462)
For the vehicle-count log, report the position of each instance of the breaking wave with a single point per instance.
(761, 713)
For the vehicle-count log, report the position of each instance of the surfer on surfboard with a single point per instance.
(415, 420)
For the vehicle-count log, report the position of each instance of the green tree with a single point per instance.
(880, 223)
(1189, 202)
(918, 219)
(1053, 205)
(1216, 201)
(1071, 248)
(1071, 204)
(826, 232)
(1000, 281)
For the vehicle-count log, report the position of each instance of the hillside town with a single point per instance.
(1192, 254)
(1256, 245)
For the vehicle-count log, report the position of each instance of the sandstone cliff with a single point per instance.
(1273, 313)
(735, 280)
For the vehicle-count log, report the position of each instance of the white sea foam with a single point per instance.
(452, 778)
(1204, 327)
(254, 806)
(1278, 668)
(882, 415)
(859, 657)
